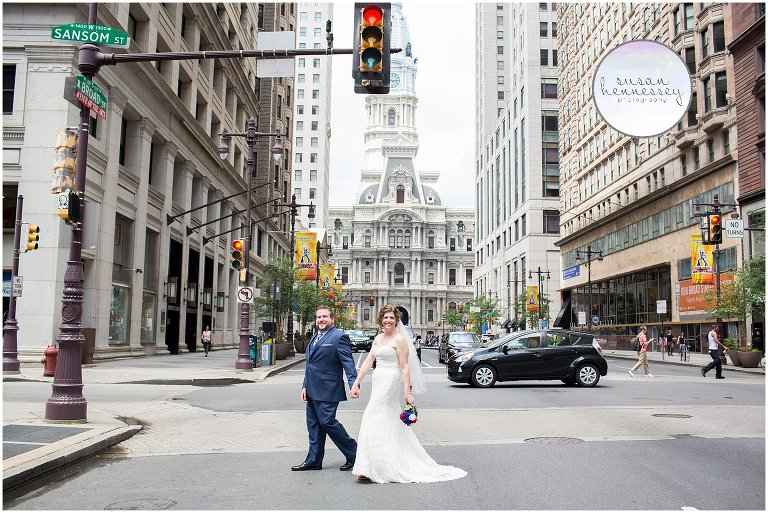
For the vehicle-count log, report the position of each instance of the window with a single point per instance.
(317, 32)
(9, 87)
(684, 164)
(345, 242)
(367, 241)
(549, 88)
(299, 125)
(544, 57)
(522, 225)
(303, 31)
(554, 29)
(312, 192)
(721, 89)
(704, 43)
(692, 110)
(314, 126)
(297, 175)
(543, 29)
(315, 94)
(299, 109)
(551, 221)
(676, 15)
(313, 142)
(690, 59)
(707, 95)
(500, 50)
(696, 160)
(315, 110)
(297, 192)
(468, 279)
(726, 143)
(391, 238)
(400, 194)
(431, 278)
(299, 142)
(554, 57)
(431, 242)
(451, 276)
(313, 158)
(689, 21)
(469, 244)
(302, 63)
(399, 274)
(718, 36)
(315, 78)
(543, 6)
(711, 150)
(345, 275)
(500, 80)
(300, 94)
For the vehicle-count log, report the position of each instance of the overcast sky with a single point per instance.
(443, 40)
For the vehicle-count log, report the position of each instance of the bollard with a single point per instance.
(49, 360)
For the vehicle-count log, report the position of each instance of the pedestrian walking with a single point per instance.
(328, 357)
(207, 339)
(682, 347)
(670, 343)
(716, 363)
(642, 354)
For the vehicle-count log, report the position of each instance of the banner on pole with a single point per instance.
(532, 298)
(304, 255)
(326, 276)
(702, 261)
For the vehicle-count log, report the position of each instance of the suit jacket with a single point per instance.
(326, 361)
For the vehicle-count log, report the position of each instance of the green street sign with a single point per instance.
(96, 34)
(90, 95)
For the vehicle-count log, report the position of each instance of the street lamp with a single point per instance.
(318, 247)
(243, 361)
(540, 282)
(589, 254)
(293, 209)
(716, 211)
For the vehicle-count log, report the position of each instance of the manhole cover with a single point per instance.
(554, 440)
(671, 415)
(142, 504)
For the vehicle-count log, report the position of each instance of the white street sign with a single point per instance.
(245, 294)
(18, 285)
(734, 228)
(474, 309)
(582, 318)
(661, 306)
(268, 68)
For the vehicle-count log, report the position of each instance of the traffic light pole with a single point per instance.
(11, 327)
(589, 254)
(541, 274)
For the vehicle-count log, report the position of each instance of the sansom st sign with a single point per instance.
(96, 34)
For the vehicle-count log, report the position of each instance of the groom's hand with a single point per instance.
(304, 394)
(354, 392)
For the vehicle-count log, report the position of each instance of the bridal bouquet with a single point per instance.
(410, 414)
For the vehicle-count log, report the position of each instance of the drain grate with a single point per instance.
(553, 440)
(671, 415)
(39, 434)
(142, 504)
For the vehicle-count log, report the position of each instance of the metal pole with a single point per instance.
(67, 402)
(589, 284)
(289, 335)
(10, 327)
(243, 361)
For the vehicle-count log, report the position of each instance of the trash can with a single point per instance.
(255, 350)
(267, 353)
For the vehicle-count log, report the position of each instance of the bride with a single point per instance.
(388, 450)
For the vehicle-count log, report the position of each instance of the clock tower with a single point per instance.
(394, 113)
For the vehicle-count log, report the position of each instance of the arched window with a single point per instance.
(399, 274)
(407, 241)
(399, 238)
(391, 238)
(391, 117)
(337, 223)
(400, 194)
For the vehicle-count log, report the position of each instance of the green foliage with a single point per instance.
(278, 271)
(532, 318)
(488, 309)
(309, 299)
(452, 319)
(746, 295)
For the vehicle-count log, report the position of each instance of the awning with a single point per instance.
(508, 324)
(563, 316)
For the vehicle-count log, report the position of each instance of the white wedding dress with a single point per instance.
(388, 450)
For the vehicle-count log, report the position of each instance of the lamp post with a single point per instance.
(243, 361)
(540, 281)
(716, 210)
(293, 209)
(589, 253)
(318, 247)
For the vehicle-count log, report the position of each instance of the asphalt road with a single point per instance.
(630, 443)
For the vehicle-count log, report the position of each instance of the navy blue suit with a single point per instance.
(326, 362)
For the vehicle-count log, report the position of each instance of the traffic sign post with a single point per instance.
(245, 294)
(95, 34)
(18, 286)
(91, 95)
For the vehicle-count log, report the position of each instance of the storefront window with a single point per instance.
(119, 314)
(148, 316)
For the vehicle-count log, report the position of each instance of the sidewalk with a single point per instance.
(697, 360)
(32, 447)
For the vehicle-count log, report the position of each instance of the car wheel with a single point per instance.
(587, 375)
(483, 376)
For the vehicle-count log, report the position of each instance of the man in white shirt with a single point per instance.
(714, 343)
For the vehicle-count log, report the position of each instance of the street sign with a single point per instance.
(661, 306)
(269, 68)
(245, 294)
(18, 285)
(571, 272)
(90, 95)
(96, 34)
(582, 318)
(595, 319)
(734, 228)
(474, 309)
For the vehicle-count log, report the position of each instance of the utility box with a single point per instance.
(255, 346)
(267, 353)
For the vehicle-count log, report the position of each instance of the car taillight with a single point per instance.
(596, 345)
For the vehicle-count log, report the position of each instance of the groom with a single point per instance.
(328, 354)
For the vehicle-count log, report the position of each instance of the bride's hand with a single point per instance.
(409, 398)
(354, 392)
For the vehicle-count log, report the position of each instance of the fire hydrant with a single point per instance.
(49, 360)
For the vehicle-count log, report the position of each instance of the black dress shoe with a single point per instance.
(348, 465)
(306, 466)
(719, 377)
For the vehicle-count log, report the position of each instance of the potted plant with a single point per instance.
(733, 350)
(281, 347)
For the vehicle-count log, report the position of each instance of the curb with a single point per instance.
(38, 467)
(729, 368)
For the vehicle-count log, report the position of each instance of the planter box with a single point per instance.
(750, 359)
(734, 356)
(281, 351)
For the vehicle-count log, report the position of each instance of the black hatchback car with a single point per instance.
(571, 356)
(454, 343)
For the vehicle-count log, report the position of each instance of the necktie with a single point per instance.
(317, 339)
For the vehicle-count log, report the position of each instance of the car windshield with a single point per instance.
(356, 333)
(463, 339)
(512, 336)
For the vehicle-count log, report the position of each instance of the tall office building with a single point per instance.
(312, 115)
(150, 283)
(516, 156)
(632, 198)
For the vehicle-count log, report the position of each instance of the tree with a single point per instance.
(279, 274)
(488, 310)
(309, 300)
(531, 318)
(452, 318)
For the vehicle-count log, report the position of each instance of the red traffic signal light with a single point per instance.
(371, 300)
(715, 229)
(370, 64)
(238, 253)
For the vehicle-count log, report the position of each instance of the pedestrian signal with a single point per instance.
(65, 154)
(32, 237)
(370, 64)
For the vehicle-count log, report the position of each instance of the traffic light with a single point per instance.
(370, 63)
(63, 172)
(238, 254)
(715, 229)
(371, 300)
(32, 237)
